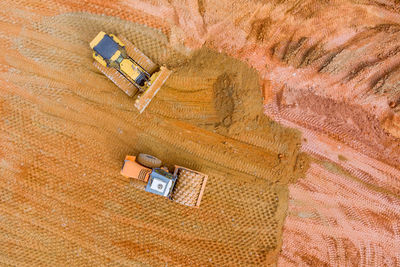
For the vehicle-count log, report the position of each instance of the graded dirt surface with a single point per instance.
(66, 130)
(329, 70)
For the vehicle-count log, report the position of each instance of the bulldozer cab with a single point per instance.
(106, 47)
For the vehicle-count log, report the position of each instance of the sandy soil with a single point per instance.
(77, 127)
(329, 69)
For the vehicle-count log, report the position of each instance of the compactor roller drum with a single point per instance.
(148, 161)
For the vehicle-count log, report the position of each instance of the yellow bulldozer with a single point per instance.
(131, 70)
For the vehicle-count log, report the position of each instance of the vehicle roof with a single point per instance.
(106, 47)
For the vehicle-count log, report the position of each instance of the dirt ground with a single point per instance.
(67, 128)
(291, 108)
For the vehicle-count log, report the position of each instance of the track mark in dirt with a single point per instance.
(223, 100)
(77, 126)
(260, 29)
(202, 8)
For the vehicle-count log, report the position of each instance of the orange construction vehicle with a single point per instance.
(184, 185)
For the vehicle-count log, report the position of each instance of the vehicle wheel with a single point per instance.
(148, 161)
(138, 56)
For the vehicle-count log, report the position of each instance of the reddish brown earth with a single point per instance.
(329, 69)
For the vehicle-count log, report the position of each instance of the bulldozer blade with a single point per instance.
(117, 78)
(145, 98)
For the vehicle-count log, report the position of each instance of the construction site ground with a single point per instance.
(299, 172)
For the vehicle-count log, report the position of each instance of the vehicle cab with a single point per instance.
(146, 168)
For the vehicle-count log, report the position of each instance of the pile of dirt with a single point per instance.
(66, 130)
(226, 98)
